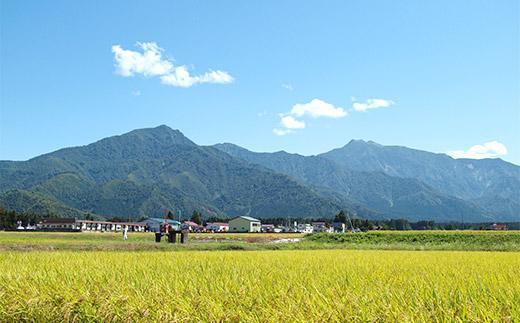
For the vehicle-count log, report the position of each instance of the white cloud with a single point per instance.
(289, 122)
(180, 77)
(318, 108)
(314, 109)
(148, 63)
(151, 63)
(218, 76)
(490, 149)
(136, 93)
(371, 104)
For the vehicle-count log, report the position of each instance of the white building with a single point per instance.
(321, 227)
(244, 224)
(72, 224)
(305, 228)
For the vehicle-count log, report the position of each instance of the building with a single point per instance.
(244, 224)
(217, 227)
(154, 224)
(191, 226)
(59, 224)
(496, 226)
(72, 224)
(321, 227)
(305, 228)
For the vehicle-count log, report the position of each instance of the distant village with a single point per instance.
(341, 222)
(239, 224)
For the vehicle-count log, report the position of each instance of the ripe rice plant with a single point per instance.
(261, 286)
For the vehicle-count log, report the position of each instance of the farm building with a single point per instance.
(244, 224)
(217, 227)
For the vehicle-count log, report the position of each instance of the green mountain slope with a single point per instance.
(146, 171)
(493, 184)
(388, 196)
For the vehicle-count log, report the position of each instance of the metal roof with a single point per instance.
(248, 218)
(162, 220)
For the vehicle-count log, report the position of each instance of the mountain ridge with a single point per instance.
(145, 171)
(388, 196)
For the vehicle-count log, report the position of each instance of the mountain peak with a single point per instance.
(161, 133)
(164, 127)
(361, 142)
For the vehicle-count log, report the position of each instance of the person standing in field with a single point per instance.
(125, 233)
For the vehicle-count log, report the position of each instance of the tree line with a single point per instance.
(8, 219)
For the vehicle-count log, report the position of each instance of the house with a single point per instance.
(191, 226)
(496, 226)
(244, 224)
(321, 227)
(217, 227)
(154, 224)
(305, 228)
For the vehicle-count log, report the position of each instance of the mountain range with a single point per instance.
(148, 171)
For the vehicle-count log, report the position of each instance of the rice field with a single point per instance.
(260, 286)
(105, 241)
(387, 240)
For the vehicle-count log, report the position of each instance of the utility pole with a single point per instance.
(349, 220)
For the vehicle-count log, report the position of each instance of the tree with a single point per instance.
(170, 215)
(196, 217)
(399, 224)
(340, 217)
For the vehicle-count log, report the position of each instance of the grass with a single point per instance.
(422, 240)
(387, 240)
(260, 286)
(109, 241)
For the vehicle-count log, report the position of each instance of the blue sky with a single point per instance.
(304, 77)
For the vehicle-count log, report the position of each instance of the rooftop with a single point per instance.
(191, 223)
(170, 221)
(248, 218)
